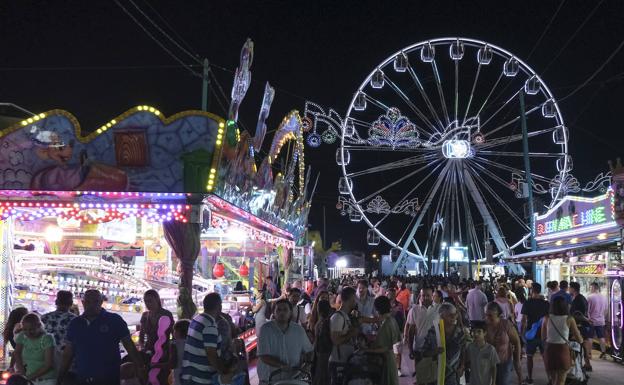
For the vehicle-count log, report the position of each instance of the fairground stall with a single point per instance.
(579, 240)
(177, 204)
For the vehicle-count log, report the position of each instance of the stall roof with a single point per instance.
(560, 252)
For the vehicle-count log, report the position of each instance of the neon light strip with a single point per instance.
(582, 230)
(613, 315)
(575, 199)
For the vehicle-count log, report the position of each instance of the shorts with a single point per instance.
(586, 331)
(533, 345)
(598, 331)
(397, 348)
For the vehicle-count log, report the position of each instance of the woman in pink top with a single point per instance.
(502, 334)
(505, 304)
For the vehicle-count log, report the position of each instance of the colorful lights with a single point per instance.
(33, 119)
(602, 236)
(211, 179)
(574, 241)
(588, 217)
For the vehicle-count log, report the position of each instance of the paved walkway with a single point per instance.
(605, 372)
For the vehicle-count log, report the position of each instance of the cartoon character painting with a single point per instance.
(63, 174)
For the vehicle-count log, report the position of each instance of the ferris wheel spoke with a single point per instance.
(485, 211)
(409, 193)
(436, 75)
(416, 150)
(489, 173)
(456, 88)
(413, 160)
(474, 85)
(487, 98)
(512, 169)
(401, 179)
(500, 108)
(424, 95)
(376, 102)
(518, 154)
(512, 121)
(407, 101)
(504, 140)
(500, 200)
(425, 208)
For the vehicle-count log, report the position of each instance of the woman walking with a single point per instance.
(502, 334)
(556, 328)
(154, 336)
(387, 335)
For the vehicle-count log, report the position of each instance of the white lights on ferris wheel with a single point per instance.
(360, 102)
(377, 80)
(560, 135)
(427, 53)
(456, 50)
(564, 163)
(532, 85)
(372, 238)
(511, 67)
(484, 55)
(342, 156)
(549, 109)
(345, 184)
(355, 216)
(456, 149)
(400, 62)
(349, 126)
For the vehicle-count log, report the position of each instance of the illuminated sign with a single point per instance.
(594, 269)
(458, 254)
(588, 217)
(573, 216)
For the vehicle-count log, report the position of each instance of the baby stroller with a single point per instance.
(577, 375)
(298, 377)
(363, 368)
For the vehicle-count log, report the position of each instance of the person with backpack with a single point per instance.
(322, 343)
(343, 333)
(533, 312)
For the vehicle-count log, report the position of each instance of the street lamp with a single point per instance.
(445, 250)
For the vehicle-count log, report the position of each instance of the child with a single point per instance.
(482, 357)
(176, 353)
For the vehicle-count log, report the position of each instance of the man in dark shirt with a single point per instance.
(563, 292)
(578, 309)
(93, 342)
(533, 310)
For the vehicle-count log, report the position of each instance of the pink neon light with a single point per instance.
(615, 345)
(164, 323)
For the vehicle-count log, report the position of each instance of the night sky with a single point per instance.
(90, 58)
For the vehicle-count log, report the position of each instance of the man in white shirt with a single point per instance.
(420, 319)
(365, 305)
(281, 345)
(476, 301)
(342, 335)
(597, 307)
(298, 309)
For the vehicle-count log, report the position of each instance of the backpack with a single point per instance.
(531, 334)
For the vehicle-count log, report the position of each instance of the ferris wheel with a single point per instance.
(432, 153)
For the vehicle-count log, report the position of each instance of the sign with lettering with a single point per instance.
(593, 269)
(575, 215)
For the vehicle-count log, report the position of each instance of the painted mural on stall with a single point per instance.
(139, 150)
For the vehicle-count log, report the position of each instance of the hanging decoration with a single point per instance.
(218, 271)
(244, 270)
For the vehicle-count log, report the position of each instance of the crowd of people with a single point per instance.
(335, 330)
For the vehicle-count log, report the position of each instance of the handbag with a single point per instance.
(566, 340)
(531, 334)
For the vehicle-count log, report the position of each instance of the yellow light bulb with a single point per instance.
(218, 142)
(42, 116)
(29, 120)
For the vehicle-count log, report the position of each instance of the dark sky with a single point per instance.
(90, 58)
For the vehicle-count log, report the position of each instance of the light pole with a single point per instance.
(445, 255)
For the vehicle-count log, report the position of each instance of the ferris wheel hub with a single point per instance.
(456, 149)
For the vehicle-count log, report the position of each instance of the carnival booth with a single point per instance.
(579, 240)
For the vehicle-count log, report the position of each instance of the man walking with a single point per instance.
(282, 344)
(533, 310)
(476, 301)
(57, 322)
(579, 310)
(365, 305)
(597, 304)
(343, 333)
(93, 342)
(420, 319)
(202, 362)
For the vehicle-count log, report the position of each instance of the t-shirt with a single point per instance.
(367, 309)
(33, 354)
(579, 305)
(597, 306)
(287, 346)
(96, 345)
(202, 334)
(534, 309)
(482, 360)
(564, 294)
(423, 318)
(56, 323)
(476, 301)
(340, 322)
